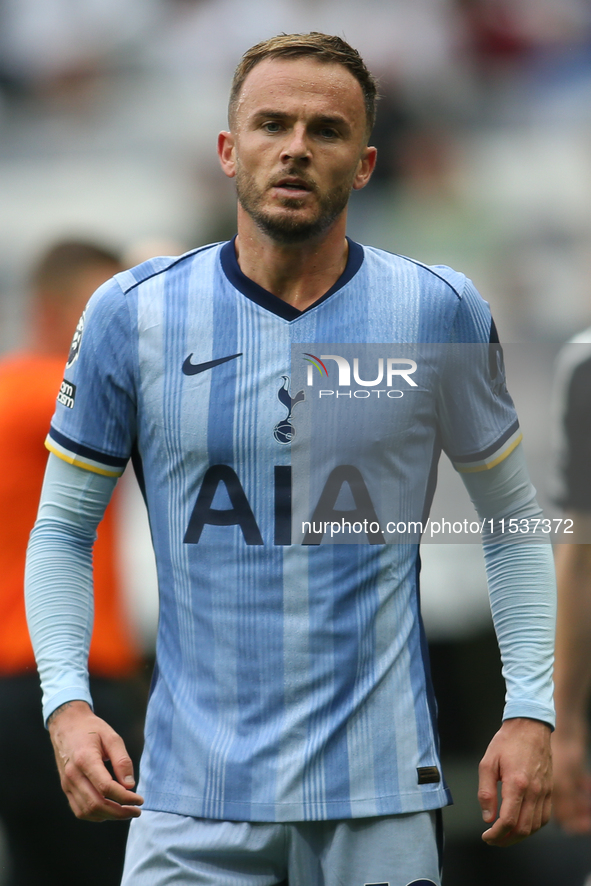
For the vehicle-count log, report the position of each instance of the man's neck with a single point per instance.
(298, 274)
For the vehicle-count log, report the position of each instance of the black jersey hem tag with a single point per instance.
(428, 775)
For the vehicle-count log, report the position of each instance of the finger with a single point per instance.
(88, 804)
(522, 813)
(502, 835)
(534, 813)
(105, 811)
(509, 814)
(91, 766)
(92, 791)
(108, 789)
(116, 752)
(109, 811)
(118, 794)
(537, 821)
(487, 792)
(496, 834)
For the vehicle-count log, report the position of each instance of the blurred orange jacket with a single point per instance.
(28, 387)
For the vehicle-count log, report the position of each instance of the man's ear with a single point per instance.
(226, 153)
(366, 167)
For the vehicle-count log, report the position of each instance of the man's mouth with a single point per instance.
(296, 185)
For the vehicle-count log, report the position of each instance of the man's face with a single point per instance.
(297, 146)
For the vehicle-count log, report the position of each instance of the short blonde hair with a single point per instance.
(322, 47)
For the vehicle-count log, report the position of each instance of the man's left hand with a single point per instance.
(519, 756)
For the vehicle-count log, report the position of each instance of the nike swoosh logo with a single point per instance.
(194, 368)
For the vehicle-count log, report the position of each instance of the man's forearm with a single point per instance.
(522, 588)
(60, 612)
(523, 604)
(58, 581)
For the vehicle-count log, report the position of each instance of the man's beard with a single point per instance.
(286, 228)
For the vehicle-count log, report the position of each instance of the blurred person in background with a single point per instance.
(572, 774)
(47, 844)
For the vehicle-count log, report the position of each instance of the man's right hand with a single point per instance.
(82, 742)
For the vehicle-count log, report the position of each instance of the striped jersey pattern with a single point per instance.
(292, 681)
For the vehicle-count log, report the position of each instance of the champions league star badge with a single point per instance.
(284, 431)
(75, 346)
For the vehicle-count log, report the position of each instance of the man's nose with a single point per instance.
(296, 146)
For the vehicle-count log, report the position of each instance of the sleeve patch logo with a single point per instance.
(75, 346)
(67, 394)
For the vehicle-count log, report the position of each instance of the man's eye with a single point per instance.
(272, 126)
(328, 132)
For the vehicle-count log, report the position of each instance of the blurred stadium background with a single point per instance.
(109, 113)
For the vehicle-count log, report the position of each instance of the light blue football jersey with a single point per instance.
(292, 680)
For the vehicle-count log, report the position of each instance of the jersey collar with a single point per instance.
(271, 302)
